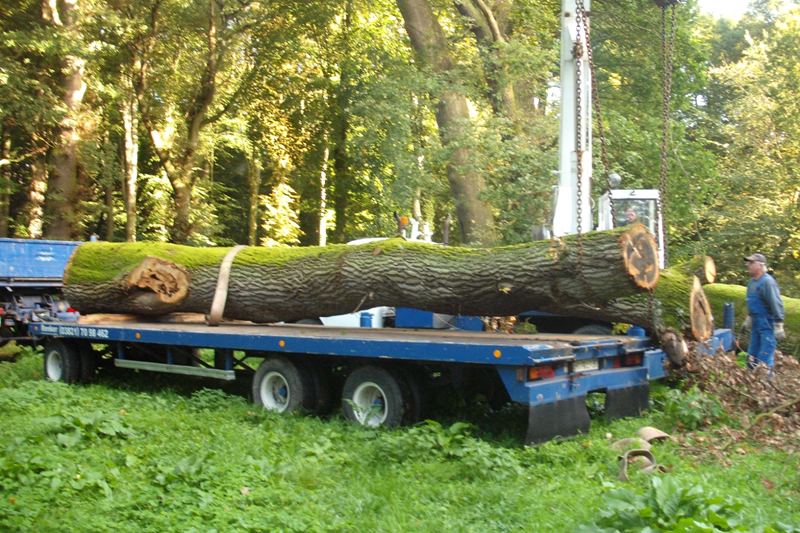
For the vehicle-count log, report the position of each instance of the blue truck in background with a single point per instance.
(31, 277)
(376, 376)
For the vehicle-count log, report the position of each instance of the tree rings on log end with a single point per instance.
(708, 270)
(700, 312)
(168, 282)
(640, 256)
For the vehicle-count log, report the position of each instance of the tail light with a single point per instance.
(633, 359)
(541, 372)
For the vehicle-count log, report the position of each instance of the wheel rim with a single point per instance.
(369, 404)
(54, 366)
(275, 392)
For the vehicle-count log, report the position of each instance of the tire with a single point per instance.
(593, 329)
(374, 396)
(282, 386)
(5, 332)
(309, 322)
(62, 362)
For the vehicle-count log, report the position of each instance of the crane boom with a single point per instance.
(565, 217)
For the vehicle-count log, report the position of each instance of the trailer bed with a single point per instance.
(549, 373)
(408, 344)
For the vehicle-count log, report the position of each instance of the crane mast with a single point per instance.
(575, 119)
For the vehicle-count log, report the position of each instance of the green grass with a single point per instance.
(155, 454)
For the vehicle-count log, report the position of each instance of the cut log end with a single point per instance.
(161, 281)
(700, 312)
(675, 347)
(640, 256)
(708, 270)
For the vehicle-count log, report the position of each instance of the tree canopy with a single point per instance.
(310, 122)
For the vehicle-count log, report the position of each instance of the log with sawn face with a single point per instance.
(274, 284)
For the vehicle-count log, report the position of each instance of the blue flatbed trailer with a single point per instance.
(386, 372)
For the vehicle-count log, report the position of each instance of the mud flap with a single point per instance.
(630, 401)
(558, 419)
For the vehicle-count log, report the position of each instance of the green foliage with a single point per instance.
(690, 409)
(280, 216)
(153, 459)
(303, 89)
(431, 440)
(72, 429)
(752, 93)
(668, 505)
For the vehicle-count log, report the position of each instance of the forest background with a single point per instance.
(304, 122)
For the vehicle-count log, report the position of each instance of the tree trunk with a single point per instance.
(253, 188)
(272, 284)
(490, 33)
(452, 116)
(177, 157)
(130, 122)
(181, 228)
(701, 266)
(109, 208)
(323, 197)
(340, 128)
(61, 198)
(5, 181)
(677, 304)
(37, 189)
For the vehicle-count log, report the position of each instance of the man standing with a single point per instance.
(765, 309)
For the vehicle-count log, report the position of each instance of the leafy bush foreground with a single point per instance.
(154, 454)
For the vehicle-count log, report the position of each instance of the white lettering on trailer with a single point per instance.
(75, 331)
(49, 330)
(69, 331)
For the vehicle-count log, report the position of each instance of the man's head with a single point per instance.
(756, 264)
(630, 215)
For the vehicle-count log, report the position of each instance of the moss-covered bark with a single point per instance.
(668, 309)
(271, 284)
(701, 266)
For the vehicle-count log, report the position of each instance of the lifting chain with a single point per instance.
(583, 21)
(577, 54)
(581, 47)
(667, 49)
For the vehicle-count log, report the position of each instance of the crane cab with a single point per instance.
(632, 206)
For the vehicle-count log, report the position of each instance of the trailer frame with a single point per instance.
(551, 374)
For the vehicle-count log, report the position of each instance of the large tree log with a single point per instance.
(677, 305)
(701, 266)
(273, 284)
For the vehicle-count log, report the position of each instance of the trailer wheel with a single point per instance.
(374, 396)
(61, 362)
(283, 386)
(593, 329)
(5, 333)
